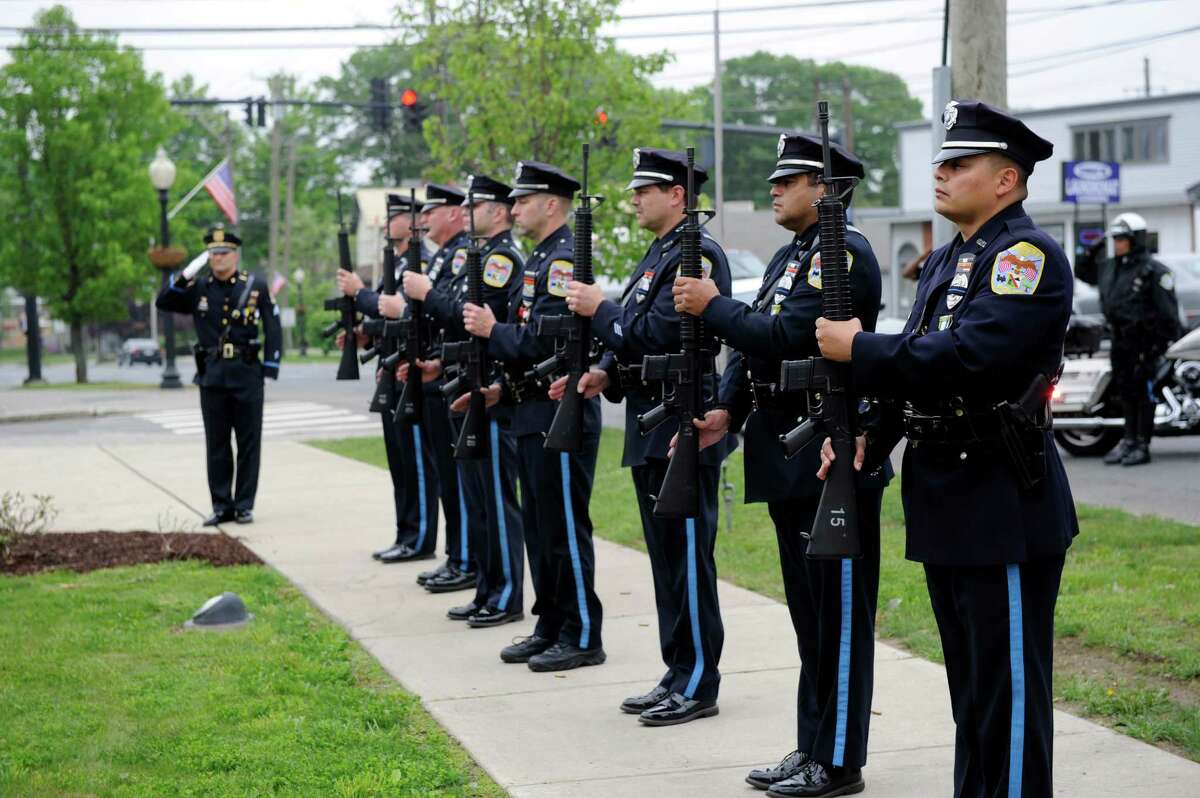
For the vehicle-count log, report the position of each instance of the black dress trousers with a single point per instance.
(239, 409)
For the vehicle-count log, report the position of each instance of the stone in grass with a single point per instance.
(226, 611)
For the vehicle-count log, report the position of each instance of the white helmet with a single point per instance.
(1128, 224)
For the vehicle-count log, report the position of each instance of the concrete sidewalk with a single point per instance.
(539, 735)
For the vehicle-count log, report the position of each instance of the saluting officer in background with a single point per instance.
(645, 322)
(836, 638)
(416, 516)
(556, 487)
(228, 307)
(987, 507)
(489, 485)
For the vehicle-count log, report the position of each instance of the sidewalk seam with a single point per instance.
(149, 481)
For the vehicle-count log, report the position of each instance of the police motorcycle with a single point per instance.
(1088, 417)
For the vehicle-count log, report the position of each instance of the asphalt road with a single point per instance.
(307, 402)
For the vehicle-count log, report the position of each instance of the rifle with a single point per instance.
(471, 358)
(572, 335)
(830, 409)
(348, 367)
(682, 375)
(411, 340)
(384, 335)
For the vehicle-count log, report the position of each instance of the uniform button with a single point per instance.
(962, 455)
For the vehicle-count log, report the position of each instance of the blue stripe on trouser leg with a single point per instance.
(464, 540)
(423, 523)
(501, 521)
(843, 681)
(693, 609)
(1016, 663)
(585, 621)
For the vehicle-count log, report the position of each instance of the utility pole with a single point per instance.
(718, 129)
(847, 115)
(1146, 74)
(978, 51)
(276, 86)
(287, 206)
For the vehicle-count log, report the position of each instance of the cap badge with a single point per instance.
(637, 156)
(950, 115)
(779, 149)
(218, 235)
(517, 171)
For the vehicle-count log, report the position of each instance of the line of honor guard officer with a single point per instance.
(966, 383)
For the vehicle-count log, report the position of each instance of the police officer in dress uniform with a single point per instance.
(228, 306)
(556, 487)
(645, 322)
(986, 502)
(489, 484)
(836, 638)
(416, 515)
(1137, 295)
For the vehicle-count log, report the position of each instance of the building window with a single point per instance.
(1137, 141)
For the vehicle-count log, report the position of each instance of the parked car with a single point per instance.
(140, 350)
(1186, 269)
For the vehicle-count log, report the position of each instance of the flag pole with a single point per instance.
(187, 197)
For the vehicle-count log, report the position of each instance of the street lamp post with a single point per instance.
(162, 176)
(298, 276)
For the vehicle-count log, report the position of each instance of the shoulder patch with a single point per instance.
(561, 273)
(1018, 270)
(814, 268)
(706, 266)
(460, 260)
(1167, 281)
(497, 270)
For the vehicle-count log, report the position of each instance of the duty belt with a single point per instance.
(952, 424)
(765, 399)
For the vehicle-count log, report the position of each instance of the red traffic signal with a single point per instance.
(408, 98)
(601, 117)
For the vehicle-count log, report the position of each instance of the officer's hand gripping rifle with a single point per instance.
(348, 367)
(682, 375)
(573, 335)
(830, 408)
(385, 334)
(411, 344)
(471, 356)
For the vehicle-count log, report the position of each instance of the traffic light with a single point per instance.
(414, 110)
(381, 107)
(262, 111)
(607, 134)
(249, 112)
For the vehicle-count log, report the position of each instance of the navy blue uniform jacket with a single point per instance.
(989, 315)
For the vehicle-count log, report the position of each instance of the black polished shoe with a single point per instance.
(564, 657)
(1115, 456)
(244, 517)
(425, 576)
(1138, 455)
(523, 648)
(491, 616)
(762, 778)
(402, 553)
(375, 555)
(817, 781)
(637, 704)
(219, 518)
(453, 580)
(676, 709)
(463, 612)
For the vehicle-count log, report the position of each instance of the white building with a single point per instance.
(1156, 140)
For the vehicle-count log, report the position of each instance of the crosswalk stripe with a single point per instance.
(281, 418)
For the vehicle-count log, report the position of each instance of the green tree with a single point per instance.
(782, 90)
(79, 122)
(526, 79)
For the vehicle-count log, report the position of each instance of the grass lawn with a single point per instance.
(103, 693)
(17, 356)
(1128, 619)
(102, 385)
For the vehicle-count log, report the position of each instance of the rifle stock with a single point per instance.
(835, 532)
(573, 335)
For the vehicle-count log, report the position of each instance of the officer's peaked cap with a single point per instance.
(974, 127)
(437, 195)
(481, 188)
(662, 167)
(799, 153)
(535, 177)
(218, 237)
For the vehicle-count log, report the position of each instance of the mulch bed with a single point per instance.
(90, 551)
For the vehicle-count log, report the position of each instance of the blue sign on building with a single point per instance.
(1091, 182)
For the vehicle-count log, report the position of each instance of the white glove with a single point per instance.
(193, 268)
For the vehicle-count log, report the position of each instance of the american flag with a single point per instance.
(219, 185)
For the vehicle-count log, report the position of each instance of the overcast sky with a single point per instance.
(898, 35)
